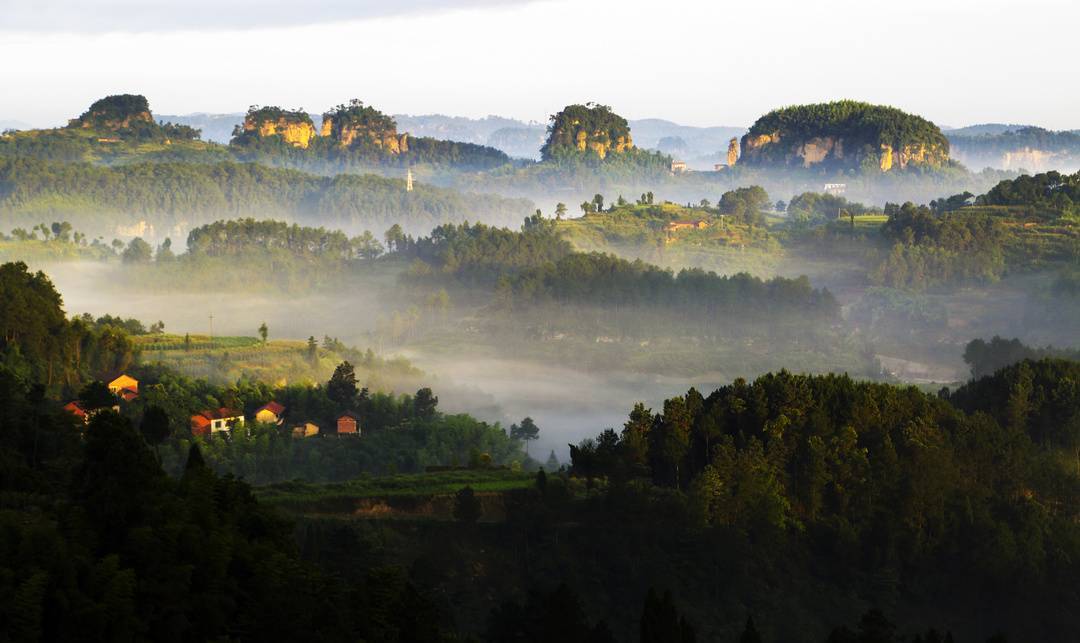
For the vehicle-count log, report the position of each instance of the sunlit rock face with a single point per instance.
(844, 135)
(584, 129)
(295, 128)
(355, 124)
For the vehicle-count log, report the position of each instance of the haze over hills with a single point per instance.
(699, 147)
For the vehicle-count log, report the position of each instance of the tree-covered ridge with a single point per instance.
(356, 123)
(1053, 190)
(168, 196)
(112, 120)
(606, 281)
(39, 344)
(987, 357)
(537, 266)
(588, 128)
(1036, 138)
(293, 127)
(949, 494)
(847, 135)
(482, 254)
(239, 236)
(116, 112)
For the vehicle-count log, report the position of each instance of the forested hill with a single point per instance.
(845, 135)
(958, 509)
(1030, 148)
(353, 137)
(158, 200)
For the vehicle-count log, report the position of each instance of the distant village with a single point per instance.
(223, 420)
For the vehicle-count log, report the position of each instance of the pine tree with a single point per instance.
(552, 463)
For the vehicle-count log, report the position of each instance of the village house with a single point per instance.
(75, 408)
(348, 423)
(125, 387)
(210, 422)
(678, 167)
(699, 224)
(270, 413)
(305, 430)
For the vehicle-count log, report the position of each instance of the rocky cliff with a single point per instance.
(293, 127)
(844, 135)
(1026, 148)
(589, 128)
(355, 124)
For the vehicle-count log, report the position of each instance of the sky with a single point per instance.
(696, 62)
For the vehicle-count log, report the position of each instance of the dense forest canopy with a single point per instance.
(1054, 190)
(168, 196)
(355, 116)
(846, 135)
(1017, 139)
(953, 493)
(583, 129)
(40, 345)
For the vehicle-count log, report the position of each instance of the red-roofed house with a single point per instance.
(270, 413)
(76, 408)
(200, 426)
(215, 421)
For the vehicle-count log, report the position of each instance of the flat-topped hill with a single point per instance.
(844, 135)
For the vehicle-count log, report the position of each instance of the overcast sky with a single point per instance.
(697, 62)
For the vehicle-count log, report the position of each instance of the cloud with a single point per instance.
(102, 16)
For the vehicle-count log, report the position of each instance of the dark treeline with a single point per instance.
(951, 494)
(39, 344)
(536, 266)
(608, 281)
(244, 236)
(481, 254)
(99, 544)
(987, 357)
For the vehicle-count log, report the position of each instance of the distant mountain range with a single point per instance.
(6, 125)
(984, 129)
(980, 145)
(699, 146)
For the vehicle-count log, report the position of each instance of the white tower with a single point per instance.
(408, 181)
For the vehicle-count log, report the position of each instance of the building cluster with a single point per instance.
(124, 387)
(223, 420)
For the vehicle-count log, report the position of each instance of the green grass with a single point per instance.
(282, 361)
(300, 495)
(870, 220)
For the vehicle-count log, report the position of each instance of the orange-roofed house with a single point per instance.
(270, 413)
(700, 224)
(348, 423)
(125, 387)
